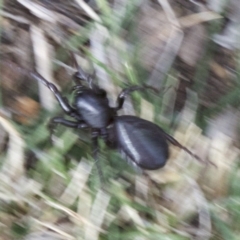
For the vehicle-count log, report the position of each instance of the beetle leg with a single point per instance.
(62, 100)
(59, 120)
(125, 92)
(68, 123)
(105, 136)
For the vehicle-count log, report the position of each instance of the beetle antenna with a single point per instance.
(80, 75)
(125, 92)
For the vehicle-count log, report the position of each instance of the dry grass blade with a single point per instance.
(224, 155)
(76, 217)
(44, 235)
(84, 206)
(99, 209)
(142, 189)
(88, 10)
(38, 10)
(147, 111)
(79, 179)
(62, 234)
(197, 18)
(128, 212)
(98, 37)
(167, 57)
(13, 166)
(19, 19)
(204, 230)
(169, 12)
(171, 48)
(42, 53)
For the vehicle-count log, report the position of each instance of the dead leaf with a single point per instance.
(26, 108)
(220, 71)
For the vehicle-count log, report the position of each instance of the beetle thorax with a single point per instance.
(93, 109)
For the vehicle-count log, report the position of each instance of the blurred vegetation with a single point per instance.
(58, 192)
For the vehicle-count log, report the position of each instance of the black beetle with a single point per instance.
(143, 142)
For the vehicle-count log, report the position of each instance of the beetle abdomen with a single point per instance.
(143, 141)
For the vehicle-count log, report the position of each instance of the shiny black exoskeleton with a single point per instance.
(143, 142)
